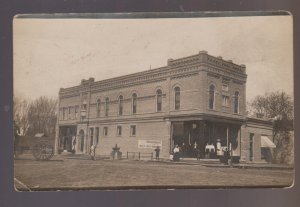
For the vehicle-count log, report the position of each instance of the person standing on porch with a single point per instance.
(157, 150)
(74, 144)
(93, 152)
(195, 149)
(176, 153)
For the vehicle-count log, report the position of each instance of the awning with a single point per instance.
(266, 142)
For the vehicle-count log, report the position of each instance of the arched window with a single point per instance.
(158, 100)
(120, 105)
(98, 107)
(211, 101)
(106, 106)
(177, 98)
(134, 103)
(64, 113)
(236, 103)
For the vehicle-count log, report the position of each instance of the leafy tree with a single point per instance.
(278, 107)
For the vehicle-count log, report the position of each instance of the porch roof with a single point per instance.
(212, 118)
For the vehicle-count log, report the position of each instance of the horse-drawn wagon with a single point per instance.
(39, 145)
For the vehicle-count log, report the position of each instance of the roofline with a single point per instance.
(162, 69)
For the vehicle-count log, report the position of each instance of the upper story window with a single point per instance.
(158, 100)
(106, 106)
(120, 105)
(211, 100)
(132, 130)
(64, 113)
(84, 105)
(134, 103)
(177, 98)
(236, 103)
(105, 131)
(98, 107)
(69, 112)
(225, 100)
(119, 130)
(76, 111)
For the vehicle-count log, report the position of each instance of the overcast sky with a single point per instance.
(57, 53)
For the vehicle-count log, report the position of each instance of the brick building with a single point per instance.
(194, 102)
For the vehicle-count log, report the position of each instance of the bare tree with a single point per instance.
(277, 106)
(42, 116)
(20, 114)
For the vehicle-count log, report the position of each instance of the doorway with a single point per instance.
(81, 139)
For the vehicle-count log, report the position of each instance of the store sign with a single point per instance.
(152, 144)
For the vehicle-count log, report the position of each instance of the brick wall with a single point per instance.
(149, 130)
(257, 130)
(190, 74)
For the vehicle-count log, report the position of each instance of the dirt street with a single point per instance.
(99, 174)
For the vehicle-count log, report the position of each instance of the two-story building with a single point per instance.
(193, 102)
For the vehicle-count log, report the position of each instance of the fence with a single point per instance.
(140, 155)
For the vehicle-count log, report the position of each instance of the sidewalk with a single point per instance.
(213, 163)
(217, 164)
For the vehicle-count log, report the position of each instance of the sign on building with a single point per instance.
(152, 144)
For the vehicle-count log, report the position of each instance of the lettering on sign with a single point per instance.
(152, 144)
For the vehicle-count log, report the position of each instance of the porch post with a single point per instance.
(227, 134)
(171, 135)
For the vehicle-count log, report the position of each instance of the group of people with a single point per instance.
(179, 151)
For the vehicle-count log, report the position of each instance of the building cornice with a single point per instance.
(177, 68)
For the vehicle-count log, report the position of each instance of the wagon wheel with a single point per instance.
(42, 151)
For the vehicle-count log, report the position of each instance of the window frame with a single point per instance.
(120, 106)
(105, 131)
(225, 101)
(131, 130)
(211, 94)
(177, 102)
(158, 95)
(119, 130)
(69, 112)
(134, 103)
(98, 107)
(64, 113)
(106, 106)
(236, 102)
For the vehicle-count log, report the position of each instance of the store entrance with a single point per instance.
(191, 138)
(204, 139)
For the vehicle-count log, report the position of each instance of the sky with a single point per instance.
(50, 54)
